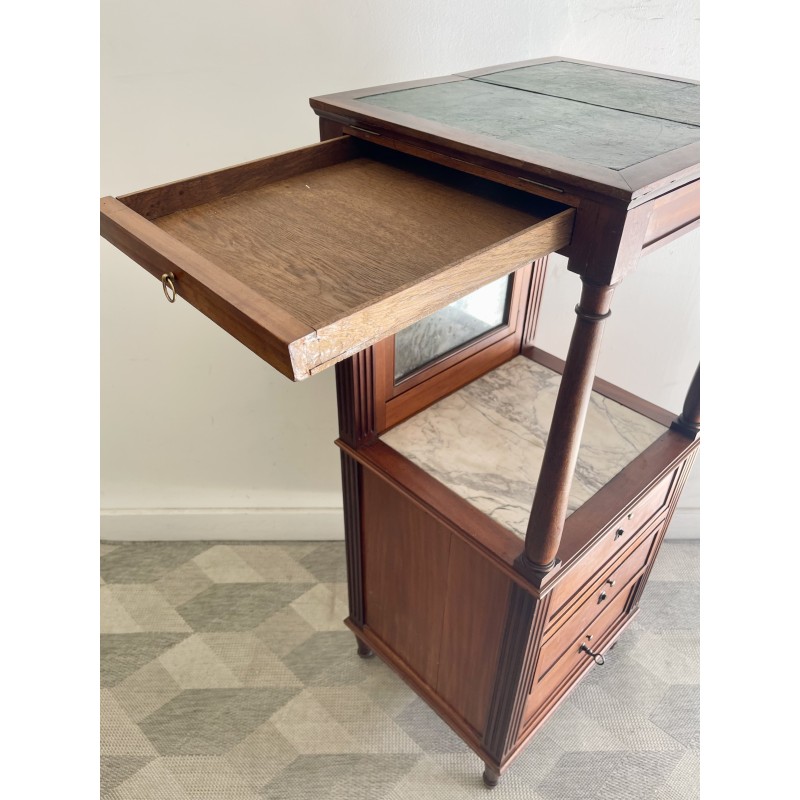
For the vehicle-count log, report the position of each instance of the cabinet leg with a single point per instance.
(491, 776)
(363, 650)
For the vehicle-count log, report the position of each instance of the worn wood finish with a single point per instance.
(612, 87)
(338, 240)
(312, 258)
(346, 253)
(259, 324)
(168, 198)
(563, 442)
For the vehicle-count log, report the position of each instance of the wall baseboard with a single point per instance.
(271, 524)
(229, 524)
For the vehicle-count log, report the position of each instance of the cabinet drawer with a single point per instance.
(617, 536)
(310, 256)
(547, 680)
(602, 595)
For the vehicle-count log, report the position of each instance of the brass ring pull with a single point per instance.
(598, 657)
(168, 285)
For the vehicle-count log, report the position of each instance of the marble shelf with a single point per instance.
(486, 441)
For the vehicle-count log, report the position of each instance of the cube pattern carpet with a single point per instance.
(227, 674)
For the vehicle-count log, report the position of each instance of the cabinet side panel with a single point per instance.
(477, 596)
(405, 556)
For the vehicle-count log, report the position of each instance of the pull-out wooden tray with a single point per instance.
(309, 256)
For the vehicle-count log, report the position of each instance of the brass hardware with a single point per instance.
(598, 657)
(363, 130)
(168, 285)
(539, 183)
(602, 597)
(611, 583)
(619, 533)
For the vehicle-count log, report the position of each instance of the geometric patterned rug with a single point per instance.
(227, 674)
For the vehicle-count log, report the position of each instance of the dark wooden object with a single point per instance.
(419, 194)
(553, 624)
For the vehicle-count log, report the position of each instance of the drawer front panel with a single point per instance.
(619, 535)
(602, 595)
(547, 681)
(309, 256)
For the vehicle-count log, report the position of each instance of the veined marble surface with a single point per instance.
(486, 441)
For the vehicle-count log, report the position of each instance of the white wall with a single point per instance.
(201, 438)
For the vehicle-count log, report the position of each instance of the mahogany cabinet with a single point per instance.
(503, 509)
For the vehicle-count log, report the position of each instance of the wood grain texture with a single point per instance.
(180, 195)
(562, 675)
(253, 319)
(564, 438)
(435, 702)
(437, 289)
(332, 241)
(405, 560)
(613, 581)
(607, 242)
(538, 710)
(627, 529)
(672, 213)
(337, 257)
(480, 531)
(477, 594)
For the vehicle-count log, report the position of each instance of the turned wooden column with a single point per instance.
(561, 452)
(689, 421)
